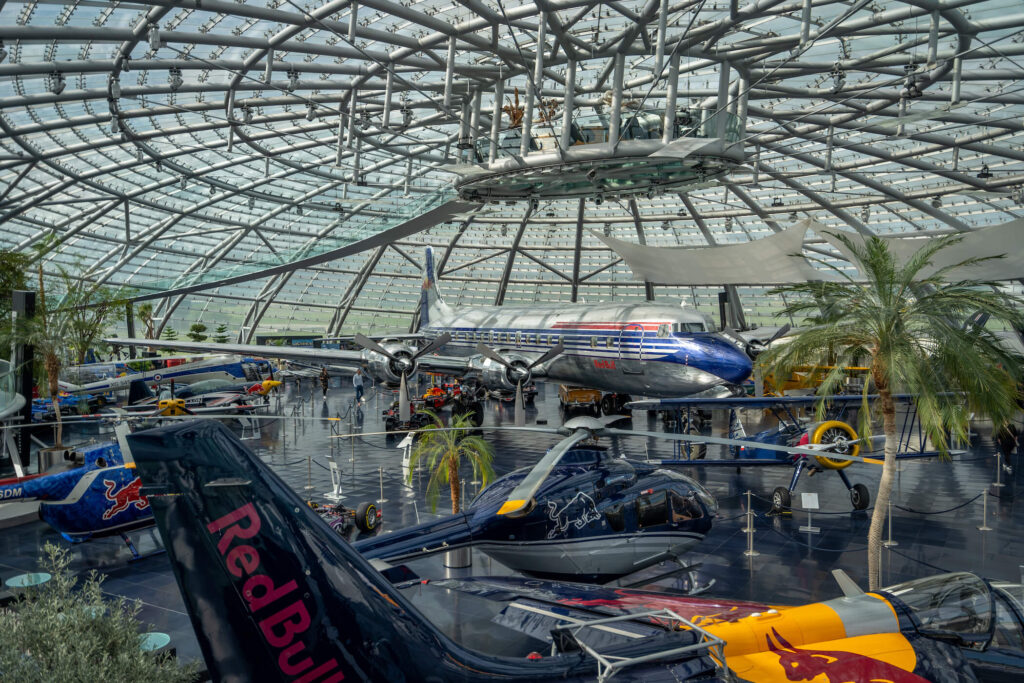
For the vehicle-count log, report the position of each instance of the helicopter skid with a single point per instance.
(610, 555)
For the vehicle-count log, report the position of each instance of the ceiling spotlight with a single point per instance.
(213, 190)
(115, 87)
(504, 231)
(139, 155)
(406, 116)
(936, 202)
(838, 78)
(57, 83)
(607, 229)
(310, 111)
(911, 90)
(181, 182)
(793, 216)
(126, 64)
(252, 202)
(298, 209)
(174, 78)
(293, 80)
(247, 114)
(154, 38)
(728, 224)
(985, 173)
(865, 214)
(3, 52)
(665, 225)
(776, 201)
(681, 212)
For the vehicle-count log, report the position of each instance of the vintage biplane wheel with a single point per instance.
(781, 499)
(366, 517)
(698, 451)
(860, 497)
(839, 433)
(608, 404)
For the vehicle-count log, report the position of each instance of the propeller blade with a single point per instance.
(371, 345)
(520, 406)
(548, 355)
(492, 354)
(404, 410)
(438, 342)
(521, 495)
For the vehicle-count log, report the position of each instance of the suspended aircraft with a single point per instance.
(223, 367)
(275, 595)
(631, 348)
(838, 440)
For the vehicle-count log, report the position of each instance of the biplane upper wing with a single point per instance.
(755, 402)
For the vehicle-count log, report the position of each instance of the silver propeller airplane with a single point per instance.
(645, 349)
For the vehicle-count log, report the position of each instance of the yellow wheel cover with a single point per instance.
(829, 429)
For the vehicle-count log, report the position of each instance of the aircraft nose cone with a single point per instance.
(724, 359)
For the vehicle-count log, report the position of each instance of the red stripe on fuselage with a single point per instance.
(649, 327)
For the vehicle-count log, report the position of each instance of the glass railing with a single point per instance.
(382, 215)
(590, 129)
(8, 392)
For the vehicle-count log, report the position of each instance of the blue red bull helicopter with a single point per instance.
(275, 595)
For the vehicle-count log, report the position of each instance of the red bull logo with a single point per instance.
(836, 666)
(604, 364)
(124, 498)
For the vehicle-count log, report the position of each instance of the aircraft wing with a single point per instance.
(754, 402)
(346, 358)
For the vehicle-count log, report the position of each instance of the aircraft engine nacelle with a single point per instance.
(389, 370)
(496, 376)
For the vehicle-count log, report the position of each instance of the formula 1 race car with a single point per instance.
(365, 518)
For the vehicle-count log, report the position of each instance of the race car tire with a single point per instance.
(366, 517)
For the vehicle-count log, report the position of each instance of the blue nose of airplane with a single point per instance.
(720, 357)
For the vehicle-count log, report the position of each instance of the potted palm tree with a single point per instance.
(910, 327)
(443, 448)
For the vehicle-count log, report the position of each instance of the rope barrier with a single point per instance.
(816, 512)
(939, 512)
(914, 559)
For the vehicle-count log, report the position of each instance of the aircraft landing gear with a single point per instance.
(781, 500)
(860, 497)
(613, 404)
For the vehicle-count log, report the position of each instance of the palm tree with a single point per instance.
(444, 448)
(911, 329)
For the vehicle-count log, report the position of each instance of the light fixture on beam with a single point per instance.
(115, 87)
(838, 78)
(57, 82)
(115, 124)
(310, 111)
(174, 79)
(247, 113)
(936, 202)
(293, 80)
(984, 174)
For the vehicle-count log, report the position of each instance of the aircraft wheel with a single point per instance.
(366, 517)
(698, 451)
(781, 499)
(860, 497)
(608, 404)
(621, 400)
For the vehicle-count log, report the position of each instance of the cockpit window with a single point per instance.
(685, 508)
(652, 509)
(952, 603)
(688, 327)
(664, 330)
(578, 457)
(1008, 630)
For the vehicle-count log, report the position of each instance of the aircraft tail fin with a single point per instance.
(736, 429)
(273, 592)
(431, 303)
(138, 390)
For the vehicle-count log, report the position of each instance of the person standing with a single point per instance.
(324, 380)
(1006, 440)
(357, 382)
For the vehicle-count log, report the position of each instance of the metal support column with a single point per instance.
(24, 306)
(635, 210)
(499, 298)
(533, 91)
(576, 251)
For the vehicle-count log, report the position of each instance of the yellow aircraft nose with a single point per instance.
(172, 407)
(269, 384)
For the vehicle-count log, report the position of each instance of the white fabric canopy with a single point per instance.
(774, 260)
(1005, 240)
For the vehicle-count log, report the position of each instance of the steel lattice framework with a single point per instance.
(162, 140)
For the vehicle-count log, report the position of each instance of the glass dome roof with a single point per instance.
(160, 144)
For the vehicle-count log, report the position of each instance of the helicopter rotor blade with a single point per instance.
(520, 497)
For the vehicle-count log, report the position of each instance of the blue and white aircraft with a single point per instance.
(648, 349)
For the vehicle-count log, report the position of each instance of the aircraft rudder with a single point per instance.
(274, 594)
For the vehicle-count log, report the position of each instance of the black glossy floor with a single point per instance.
(792, 567)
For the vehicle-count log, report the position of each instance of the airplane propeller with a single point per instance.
(520, 372)
(404, 364)
(755, 347)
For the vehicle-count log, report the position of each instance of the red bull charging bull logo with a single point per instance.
(837, 666)
(124, 498)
